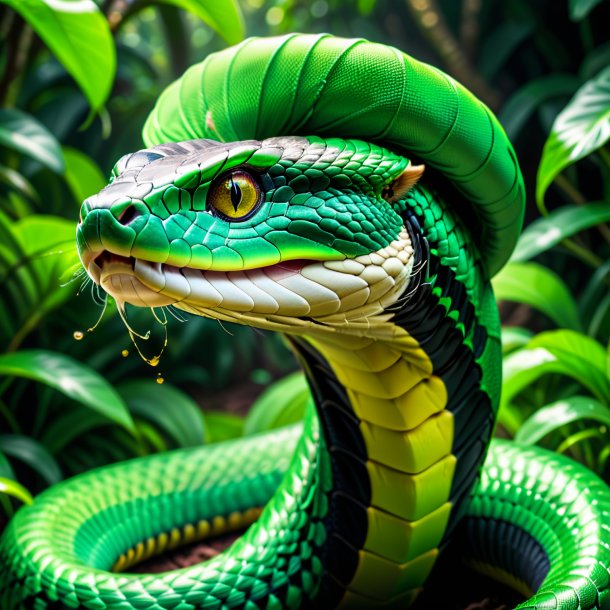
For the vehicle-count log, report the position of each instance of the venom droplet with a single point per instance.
(78, 335)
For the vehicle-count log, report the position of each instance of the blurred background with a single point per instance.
(77, 82)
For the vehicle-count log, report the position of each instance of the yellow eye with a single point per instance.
(234, 196)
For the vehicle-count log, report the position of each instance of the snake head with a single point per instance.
(262, 232)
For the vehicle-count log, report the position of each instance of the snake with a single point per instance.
(357, 201)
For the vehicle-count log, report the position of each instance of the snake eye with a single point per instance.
(234, 196)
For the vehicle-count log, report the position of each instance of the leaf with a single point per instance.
(34, 254)
(78, 34)
(73, 379)
(16, 490)
(562, 352)
(82, 174)
(170, 409)
(18, 182)
(6, 470)
(501, 44)
(554, 416)
(581, 128)
(579, 9)
(223, 17)
(282, 403)
(64, 429)
(32, 453)
(540, 288)
(546, 232)
(523, 103)
(514, 338)
(221, 426)
(26, 135)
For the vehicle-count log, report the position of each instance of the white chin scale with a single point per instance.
(331, 292)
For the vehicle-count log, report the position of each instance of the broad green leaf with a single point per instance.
(514, 338)
(554, 416)
(16, 490)
(546, 232)
(525, 101)
(26, 135)
(32, 453)
(78, 34)
(6, 470)
(38, 251)
(221, 426)
(562, 352)
(64, 429)
(282, 403)
(581, 128)
(170, 409)
(73, 379)
(579, 9)
(540, 288)
(223, 17)
(595, 61)
(83, 175)
(18, 182)
(500, 44)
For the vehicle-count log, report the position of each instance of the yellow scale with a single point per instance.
(408, 436)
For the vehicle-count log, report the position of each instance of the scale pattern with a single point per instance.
(391, 315)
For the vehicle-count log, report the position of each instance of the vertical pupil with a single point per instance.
(235, 194)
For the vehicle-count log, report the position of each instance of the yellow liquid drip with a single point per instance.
(125, 353)
(78, 335)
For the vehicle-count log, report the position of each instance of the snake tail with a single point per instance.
(357, 201)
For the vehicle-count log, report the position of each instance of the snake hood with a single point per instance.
(280, 229)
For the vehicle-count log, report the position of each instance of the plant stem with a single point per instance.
(469, 27)
(13, 40)
(432, 23)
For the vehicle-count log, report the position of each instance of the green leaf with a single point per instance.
(282, 403)
(170, 409)
(34, 254)
(32, 453)
(523, 103)
(554, 416)
(82, 174)
(546, 232)
(581, 128)
(562, 352)
(6, 470)
(514, 338)
(501, 44)
(579, 9)
(16, 490)
(78, 34)
(64, 429)
(73, 379)
(26, 135)
(223, 17)
(540, 288)
(221, 426)
(18, 182)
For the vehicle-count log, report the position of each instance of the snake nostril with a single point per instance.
(128, 215)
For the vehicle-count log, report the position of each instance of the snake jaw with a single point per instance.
(290, 294)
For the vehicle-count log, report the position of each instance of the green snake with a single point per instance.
(283, 187)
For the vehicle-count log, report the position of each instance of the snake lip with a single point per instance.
(107, 263)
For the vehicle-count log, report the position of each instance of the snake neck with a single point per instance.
(400, 410)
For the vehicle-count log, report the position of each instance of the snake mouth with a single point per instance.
(318, 292)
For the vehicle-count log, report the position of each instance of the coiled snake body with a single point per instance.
(281, 190)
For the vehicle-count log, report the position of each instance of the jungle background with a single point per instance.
(77, 82)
